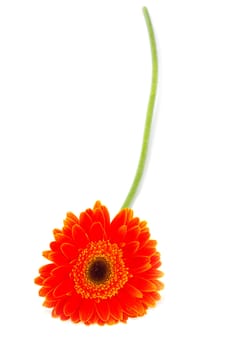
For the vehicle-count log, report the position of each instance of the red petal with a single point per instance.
(79, 236)
(50, 296)
(132, 291)
(46, 269)
(56, 257)
(73, 218)
(150, 299)
(125, 300)
(93, 319)
(118, 235)
(131, 248)
(144, 237)
(132, 234)
(58, 309)
(107, 219)
(152, 274)
(138, 261)
(55, 246)
(57, 275)
(58, 234)
(99, 216)
(38, 280)
(75, 317)
(143, 284)
(135, 309)
(48, 303)
(72, 305)
(86, 220)
(86, 310)
(103, 310)
(43, 291)
(115, 308)
(96, 232)
(52, 281)
(63, 288)
(119, 220)
(70, 220)
(62, 271)
(68, 250)
(147, 251)
(134, 222)
(132, 307)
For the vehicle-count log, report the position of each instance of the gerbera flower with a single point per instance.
(104, 271)
(101, 271)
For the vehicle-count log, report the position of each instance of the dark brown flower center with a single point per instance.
(98, 270)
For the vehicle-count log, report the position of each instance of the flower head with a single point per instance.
(101, 272)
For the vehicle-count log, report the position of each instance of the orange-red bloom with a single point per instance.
(101, 272)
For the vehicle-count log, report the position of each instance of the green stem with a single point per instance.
(150, 108)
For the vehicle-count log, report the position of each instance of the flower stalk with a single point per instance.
(148, 122)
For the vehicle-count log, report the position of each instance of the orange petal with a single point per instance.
(152, 274)
(63, 288)
(58, 234)
(138, 261)
(150, 299)
(79, 236)
(43, 291)
(133, 222)
(55, 246)
(72, 305)
(58, 309)
(68, 250)
(103, 310)
(159, 285)
(86, 310)
(50, 296)
(115, 308)
(70, 220)
(49, 303)
(38, 280)
(75, 317)
(93, 319)
(62, 271)
(46, 269)
(52, 281)
(96, 232)
(144, 237)
(101, 214)
(98, 216)
(97, 205)
(107, 218)
(143, 284)
(118, 235)
(135, 309)
(56, 257)
(73, 218)
(131, 248)
(86, 220)
(147, 251)
(121, 218)
(132, 234)
(125, 300)
(132, 291)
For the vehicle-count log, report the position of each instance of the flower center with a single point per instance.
(100, 271)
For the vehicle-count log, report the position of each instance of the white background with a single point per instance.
(74, 84)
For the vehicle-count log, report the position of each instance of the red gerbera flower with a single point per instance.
(101, 272)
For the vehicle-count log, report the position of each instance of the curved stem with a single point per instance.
(150, 108)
